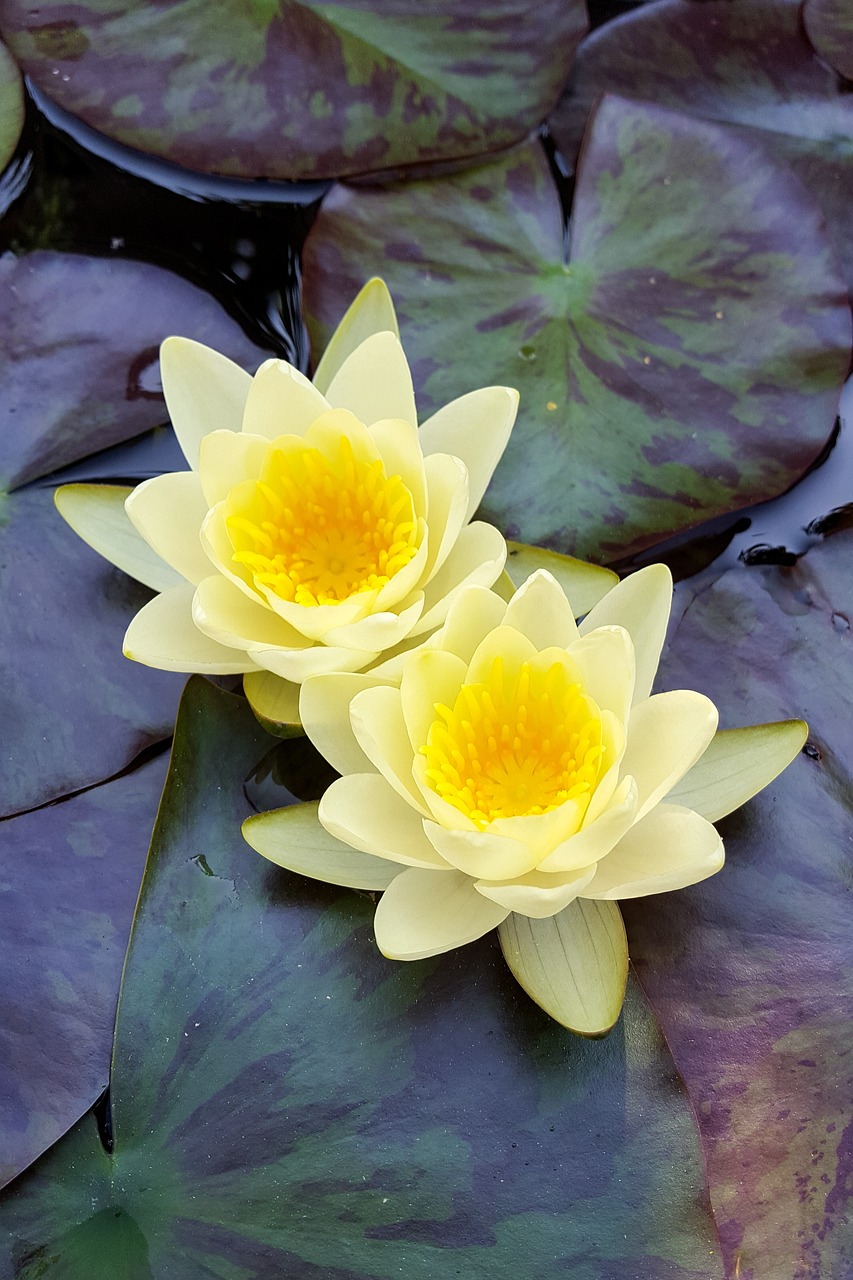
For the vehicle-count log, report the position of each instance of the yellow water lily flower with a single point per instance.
(318, 525)
(521, 765)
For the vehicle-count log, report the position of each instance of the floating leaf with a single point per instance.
(740, 62)
(751, 972)
(71, 874)
(11, 106)
(652, 396)
(285, 1101)
(74, 711)
(829, 26)
(79, 344)
(302, 88)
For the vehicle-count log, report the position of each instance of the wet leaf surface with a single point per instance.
(286, 1101)
(740, 62)
(751, 972)
(79, 344)
(74, 710)
(301, 89)
(71, 875)
(829, 26)
(651, 398)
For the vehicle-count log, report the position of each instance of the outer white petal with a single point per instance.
(281, 402)
(447, 503)
(537, 895)
(374, 382)
(380, 730)
(293, 838)
(738, 764)
(169, 511)
(96, 513)
(324, 709)
(587, 846)
(476, 561)
(226, 458)
(424, 913)
(540, 610)
(164, 635)
(225, 614)
(476, 428)
(472, 614)
(542, 832)
(481, 853)
(315, 659)
(204, 391)
(366, 812)
(666, 736)
(641, 604)
(668, 849)
(372, 311)
(378, 631)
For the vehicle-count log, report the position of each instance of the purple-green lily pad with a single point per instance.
(740, 62)
(829, 26)
(11, 106)
(71, 875)
(286, 1102)
(751, 972)
(79, 345)
(685, 361)
(302, 88)
(73, 710)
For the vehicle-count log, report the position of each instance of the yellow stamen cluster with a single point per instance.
(515, 745)
(317, 530)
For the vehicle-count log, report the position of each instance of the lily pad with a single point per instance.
(651, 397)
(751, 972)
(74, 711)
(287, 1102)
(11, 106)
(79, 344)
(302, 88)
(829, 26)
(740, 62)
(71, 875)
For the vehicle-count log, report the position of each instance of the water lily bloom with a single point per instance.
(317, 526)
(520, 765)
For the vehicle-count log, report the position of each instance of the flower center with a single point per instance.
(315, 530)
(514, 746)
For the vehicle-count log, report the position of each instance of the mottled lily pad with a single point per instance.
(751, 972)
(11, 106)
(287, 1102)
(685, 361)
(301, 88)
(829, 26)
(79, 346)
(70, 879)
(73, 710)
(740, 62)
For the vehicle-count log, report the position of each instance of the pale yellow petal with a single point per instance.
(293, 838)
(475, 561)
(542, 832)
(164, 635)
(226, 458)
(204, 391)
(613, 739)
(399, 447)
(447, 502)
(401, 588)
(324, 709)
(536, 894)
(275, 703)
(97, 514)
(378, 631)
(594, 840)
(219, 550)
(366, 812)
(380, 730)
(670, 848)
(505, 644)
(430, 676)
(666, 736)
(472, 614)
(481, 853)
(169, 511)
(315, 621)
(476, 428)
(315, 659)
(540, 610)
(325, 434)
(374, 382)
(737, 764)
(605, 659)
(584, 584)
(424, 913)
(573, 964)
(281, 401)
(444, 813)
(225, 614)
(371, 312)
(641, 604)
